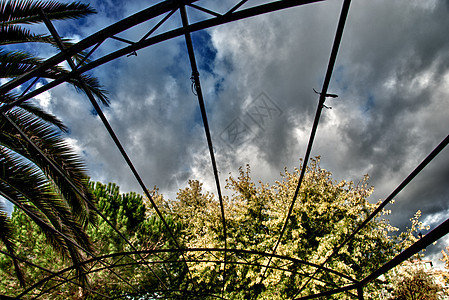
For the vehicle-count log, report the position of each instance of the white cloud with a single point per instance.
(44, 99)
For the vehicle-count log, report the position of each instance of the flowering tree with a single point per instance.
(325, 213)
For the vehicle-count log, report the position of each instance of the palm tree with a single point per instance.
(39, 172)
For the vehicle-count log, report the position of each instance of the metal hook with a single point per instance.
(194, 90)
(193, 78)
(326, 95)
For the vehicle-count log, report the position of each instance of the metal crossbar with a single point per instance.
(165, 10)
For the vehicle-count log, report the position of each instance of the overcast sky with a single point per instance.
(258, 76)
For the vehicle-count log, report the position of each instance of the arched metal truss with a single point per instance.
(194, 255)
(224, 257)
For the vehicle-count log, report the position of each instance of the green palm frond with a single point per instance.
(53, 145)
(15, 63)
(7, 237)
(44, 116)
(35, 195)
(28, 12)
(10, 35)
(61, 239)
(38, 112)
(94, 86)
(56, 199)
(15, 35)
(22, 184)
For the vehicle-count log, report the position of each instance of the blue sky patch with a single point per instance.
(369, 104)
(204, 50)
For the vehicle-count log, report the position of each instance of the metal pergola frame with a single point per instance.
(162, 12)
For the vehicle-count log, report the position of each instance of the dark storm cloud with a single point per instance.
(392, 79)
(399, 77)
(391, 76)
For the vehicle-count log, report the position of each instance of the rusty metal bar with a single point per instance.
(158, 25)
(237, 6)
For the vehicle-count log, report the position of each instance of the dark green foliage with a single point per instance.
(326, 213)
(52, 192)
(128, 213)
(28, 12)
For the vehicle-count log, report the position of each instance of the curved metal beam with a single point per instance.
(120, 26)
(234, 251)
(100, 36)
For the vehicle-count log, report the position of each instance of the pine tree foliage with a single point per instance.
(128, 213)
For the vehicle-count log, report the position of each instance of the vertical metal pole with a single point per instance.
(360, 292)
(199, 94)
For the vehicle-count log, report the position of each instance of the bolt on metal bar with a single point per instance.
(322, 99)
(199, 93)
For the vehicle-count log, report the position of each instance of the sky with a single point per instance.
(258, 78)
